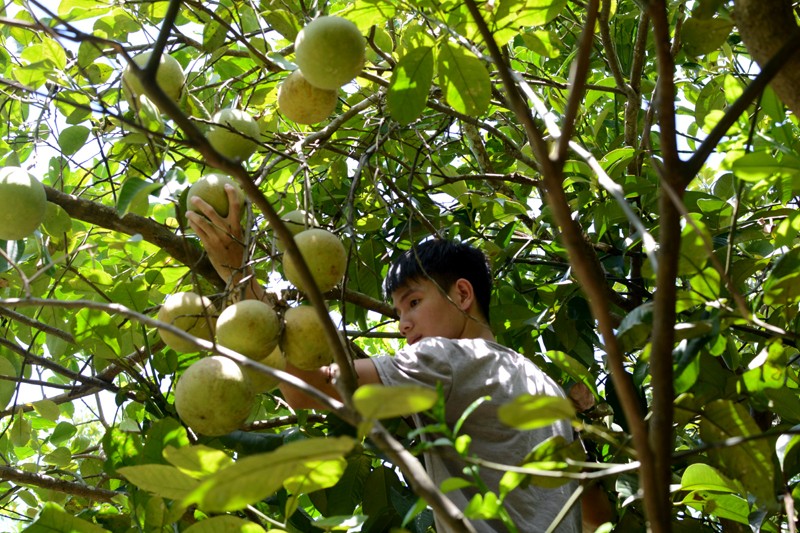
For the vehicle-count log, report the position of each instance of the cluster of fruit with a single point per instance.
(329, 52)
(215, 395)
(233, 133)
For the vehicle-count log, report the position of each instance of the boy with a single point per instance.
(441, 291)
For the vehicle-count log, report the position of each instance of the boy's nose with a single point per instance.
(405, 327)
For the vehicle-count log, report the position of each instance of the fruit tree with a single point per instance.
(631, 167)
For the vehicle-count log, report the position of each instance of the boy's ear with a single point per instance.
(465, 293)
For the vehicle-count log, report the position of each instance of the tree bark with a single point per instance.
(765, 26)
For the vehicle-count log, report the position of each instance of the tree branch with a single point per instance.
(44, 481)
(692, 166)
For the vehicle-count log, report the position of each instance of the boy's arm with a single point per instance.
(321, 379)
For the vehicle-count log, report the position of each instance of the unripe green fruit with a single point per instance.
(303, 103)
(304, 342)
(325, 256)
(330, 52)
(296, 221)
(23, 203)
(214, 396)
(262, 382)
(211, 188)
(190, 312)
(235, 134)
(250, 327)
(169, 76)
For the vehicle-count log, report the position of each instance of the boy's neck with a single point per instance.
(477, 328)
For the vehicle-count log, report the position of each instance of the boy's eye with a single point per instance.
(413, 303)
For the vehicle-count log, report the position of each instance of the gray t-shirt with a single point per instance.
(467, 370)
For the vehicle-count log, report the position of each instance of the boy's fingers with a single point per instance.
(234, 207)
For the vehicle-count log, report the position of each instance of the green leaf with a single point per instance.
(7, 387)
(134, 191)
(214, 32)
(162, 480)
(634, 330)
(47, 409)
(531, 411)
(483, 506)
(703, 36)
(542, 42)
(161, 436)
(198, 461)
(56, 220)
(54, 519)
(255, 477)
(512, 14)
(410, 85)
(726, 506)
(701, 476)
(63, 432)
(464, 79)
(319, 475)
(750, 461)
(756, 166)
(574, 368)
(61, 456)
(72, 139)
(72, 10)
(224, 524)
(379, 401)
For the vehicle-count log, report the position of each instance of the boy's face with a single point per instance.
(425, 311)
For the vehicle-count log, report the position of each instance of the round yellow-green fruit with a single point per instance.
(214, 396)
(261, 381)
(190, 312)
(296, 221)
(211, 188)
(169, 76)
(330, 52)
(234, 134)
(325, 256)
(301, 102)
(249, 327)
(23, 203)
(304, 342)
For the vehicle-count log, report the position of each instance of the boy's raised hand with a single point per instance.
(221, 236)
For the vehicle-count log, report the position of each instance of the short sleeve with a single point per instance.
(426, 363)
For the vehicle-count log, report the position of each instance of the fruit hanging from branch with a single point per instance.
(304, 342)
(325, 256)
(261, 381)
(234, 134)
(211, 188)
(190, 312)
(169, 76)
(249, 327)
(301, 102)
(214, 396)
(23, 203)
(296, 221)
(330, 52)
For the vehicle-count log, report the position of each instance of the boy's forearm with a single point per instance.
(320, 379)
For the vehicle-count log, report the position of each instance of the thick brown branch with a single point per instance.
(130, 224)
(44, 481)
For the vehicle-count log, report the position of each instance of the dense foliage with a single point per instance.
(632, 178)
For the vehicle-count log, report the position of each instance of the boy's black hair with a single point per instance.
(444, 262)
